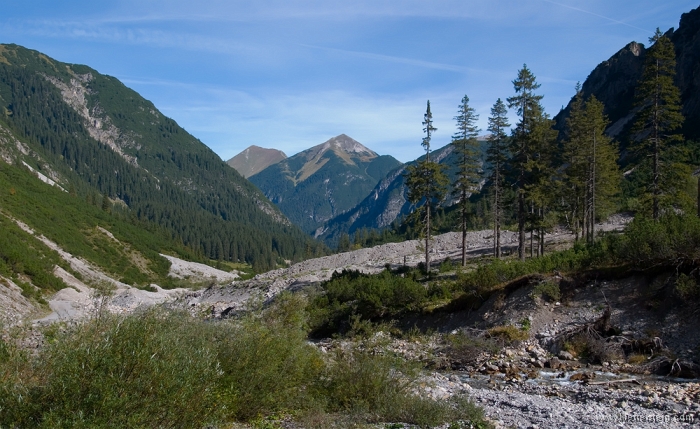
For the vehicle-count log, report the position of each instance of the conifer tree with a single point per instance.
(540, 185)
(604, 174)
(106, 204)
(426, 181)
(527, 105)
(497, 156)
(592, 178)
(660, 114)
(574, 181)
(468, 175)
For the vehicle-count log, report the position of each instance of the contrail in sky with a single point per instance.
(599, 16)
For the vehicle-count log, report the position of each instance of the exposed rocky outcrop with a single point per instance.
(96, 122)
(614, 81)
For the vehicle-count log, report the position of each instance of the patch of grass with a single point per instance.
(508, 333)
(140, 371)
(636, 359)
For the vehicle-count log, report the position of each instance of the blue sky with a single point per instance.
(291, 74)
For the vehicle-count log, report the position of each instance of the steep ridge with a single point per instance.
(255, 159)
(102, 141)
(614, 81)
(323, 181)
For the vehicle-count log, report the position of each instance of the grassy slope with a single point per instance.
(73, 224)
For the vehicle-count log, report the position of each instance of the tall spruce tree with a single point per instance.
(540, 186)
(573, 184)
(497, 156)
(527, 105)
(467, 162)
(660, 114)
(604, 175)
(592, 178)
(427, 182)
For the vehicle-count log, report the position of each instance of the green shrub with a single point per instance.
(150, 370)
(467, 348)
(446, 266)
(381, 388)
(672, 240)
(266, 364)
(687, 287)
(370, 297)
(548, 289)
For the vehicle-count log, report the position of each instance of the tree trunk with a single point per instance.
(427, 238)
(464, 230)
(593, 188)
(521, 226)
(498, 220)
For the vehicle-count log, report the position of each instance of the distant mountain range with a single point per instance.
(255, 159)
(324, 181)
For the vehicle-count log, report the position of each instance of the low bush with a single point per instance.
(491, 273)
(672, 240)
(266, 365)
(467, 348)
(687, 287)
(547, 289)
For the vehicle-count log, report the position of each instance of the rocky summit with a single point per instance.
(255, 159)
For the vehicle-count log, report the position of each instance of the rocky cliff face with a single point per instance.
(687, 42)
(614, 81)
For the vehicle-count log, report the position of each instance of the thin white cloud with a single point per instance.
(615, 21)
(233, 11)
(93, 31)
(402, 60)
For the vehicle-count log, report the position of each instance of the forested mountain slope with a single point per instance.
(319, 183)
(387, 202)
(97, 138)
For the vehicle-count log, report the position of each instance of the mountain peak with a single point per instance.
(349, 145)
(321, 182)
(255, 159)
